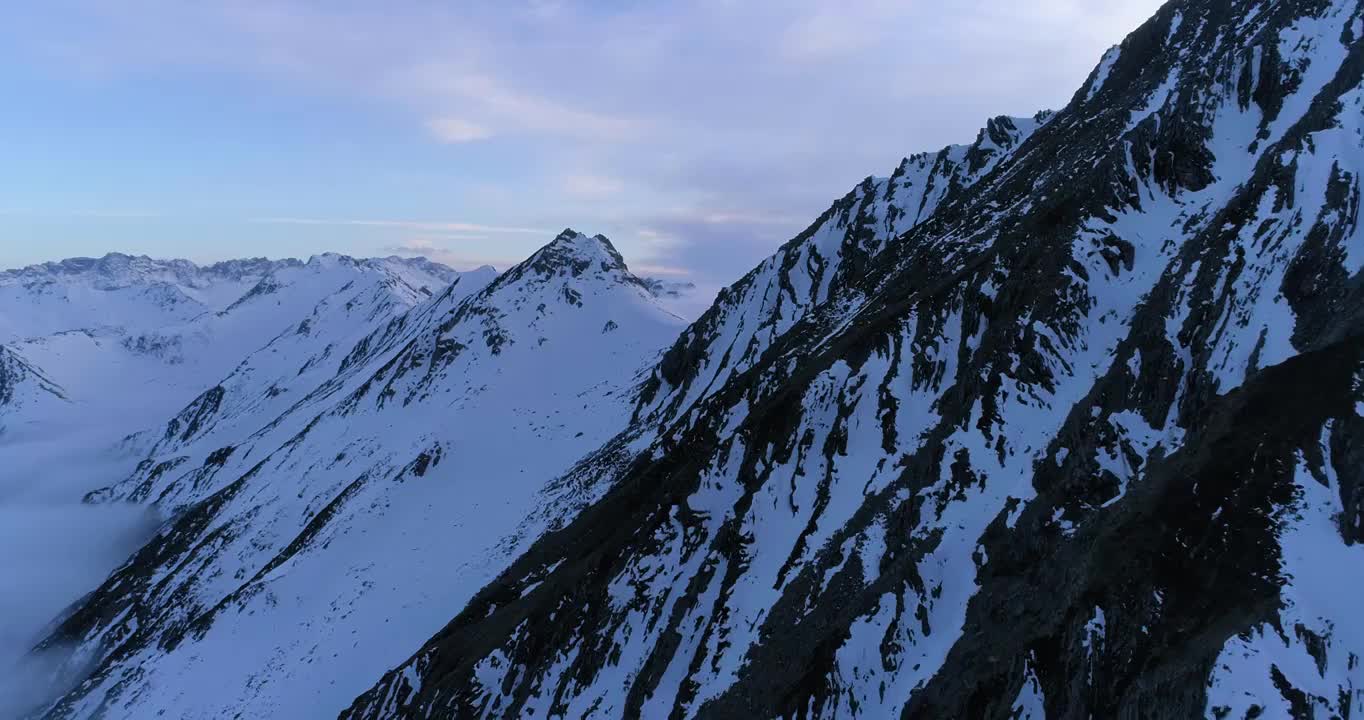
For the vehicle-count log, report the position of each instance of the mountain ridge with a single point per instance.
(1073, 296)
(1067, 422)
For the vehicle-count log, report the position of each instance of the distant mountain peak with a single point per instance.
(117, 269)
(576, 251)
(575, 255)
(331, 259)
(661, 288)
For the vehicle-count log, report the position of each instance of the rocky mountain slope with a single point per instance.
(1064, 423)
(1079, 439)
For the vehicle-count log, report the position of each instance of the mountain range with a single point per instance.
(1066, 422)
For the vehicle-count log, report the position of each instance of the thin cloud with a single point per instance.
(761, 112)
(653, 270)
(592, 186)
(739, 217)
(436, 252)
(456, 130)
(500, 108)
(454, 227)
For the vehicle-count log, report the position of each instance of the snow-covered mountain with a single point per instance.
(293, 486)
(81, 406)
(133, 335)
(120, 291)
(133, 295)
(1066, 422)
(1077, 437)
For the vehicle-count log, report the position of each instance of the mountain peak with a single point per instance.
(118, 270)
(329, 260)
(575, 254)
(572, 271)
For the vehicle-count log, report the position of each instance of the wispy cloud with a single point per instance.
(655, 270)
(499, 108)
(438, 226)
(457, 258)
(591, 186)
(735, 217)
(456, 130)
(721, 127)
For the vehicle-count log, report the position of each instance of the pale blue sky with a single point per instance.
(697, 135)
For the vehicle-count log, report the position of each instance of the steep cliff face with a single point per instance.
(1080, 439)
(328, 515)
(825, 259)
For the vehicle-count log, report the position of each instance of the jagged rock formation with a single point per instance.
(1073, 434)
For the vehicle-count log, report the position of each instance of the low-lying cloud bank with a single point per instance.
(53, 550)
